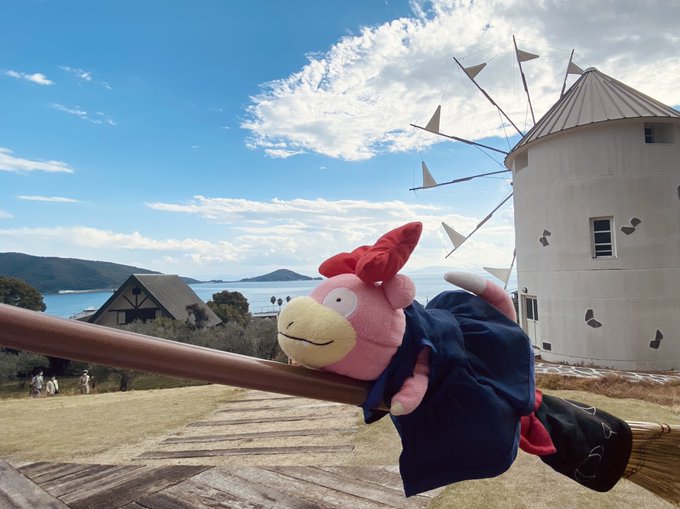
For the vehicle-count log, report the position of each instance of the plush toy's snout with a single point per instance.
(314, 335)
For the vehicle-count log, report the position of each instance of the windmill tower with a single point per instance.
(597, 219)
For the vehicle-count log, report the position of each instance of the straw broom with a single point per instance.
(654, 461)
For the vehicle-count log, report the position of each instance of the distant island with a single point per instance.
(278, 275)
(51, 274)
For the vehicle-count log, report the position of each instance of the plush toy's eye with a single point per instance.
(342, 300)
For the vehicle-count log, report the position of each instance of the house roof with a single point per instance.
(595, 97)
(169, 292)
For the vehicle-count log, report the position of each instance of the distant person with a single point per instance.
(37, 384)
(84, 383)
(52, 386)
(93, 384)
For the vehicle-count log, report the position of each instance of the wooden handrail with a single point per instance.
(69, 339)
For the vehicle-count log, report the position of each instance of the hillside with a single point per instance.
(52, 274)
(278, 275)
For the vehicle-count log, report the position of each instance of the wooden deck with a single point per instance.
(261, 451)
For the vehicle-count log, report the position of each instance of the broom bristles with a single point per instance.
(654, 461)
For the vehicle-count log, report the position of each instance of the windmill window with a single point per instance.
(659, 133)
(602, 237)
(532, 308)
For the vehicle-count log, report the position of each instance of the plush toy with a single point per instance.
(457, 374)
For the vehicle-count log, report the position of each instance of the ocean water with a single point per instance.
(66, 305)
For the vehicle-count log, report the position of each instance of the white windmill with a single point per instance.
(596, 193)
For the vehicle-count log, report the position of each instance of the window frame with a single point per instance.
(595, 243)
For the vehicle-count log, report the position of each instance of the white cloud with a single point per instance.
(84, 75)
(5, 215)
(306, 232)
(8, 162)
(51, 199)
(250, 237)
(358, 99)
(38, 78)
(98, 118)
(80, 73)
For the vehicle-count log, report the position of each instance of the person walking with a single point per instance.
(84, 383)
(52, 386)
(37, 384)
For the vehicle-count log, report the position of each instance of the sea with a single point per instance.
(67, 305)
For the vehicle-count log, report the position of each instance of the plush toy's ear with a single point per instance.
(400, 291)
(386, 257)
(342, 263)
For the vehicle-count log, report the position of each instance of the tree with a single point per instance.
(288, 298)
(273, 301)
(199, 313)
(230, 307)
(16, 292)
(279, 302)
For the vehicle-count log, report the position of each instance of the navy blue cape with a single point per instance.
(481, 381)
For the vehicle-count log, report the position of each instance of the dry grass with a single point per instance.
(615, 386)
(92, 428)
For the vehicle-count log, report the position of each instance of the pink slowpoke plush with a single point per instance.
(354, 322)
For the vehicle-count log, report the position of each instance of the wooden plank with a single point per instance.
(89, 488)
(281, 408)
(387, 477)
(40, 467)
(60, 470)
(97, 477)
(256, 435)
(160, 500)
(214, 488)
(18, 492)
(247, 400)
(243, 451)
(318, 496)
(124, 493)
(258, 420)
(351, 485)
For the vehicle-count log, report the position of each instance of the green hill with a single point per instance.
(278, 275)
(51, 274)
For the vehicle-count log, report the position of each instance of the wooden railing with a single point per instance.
(69, 339)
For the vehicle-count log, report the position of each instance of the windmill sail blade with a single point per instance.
(572, 68)
(428, 181)
(433, 124)
(481, 223)
(474, 70)
(487, 95)
(500, 273)
(523, 56)
(456, 238)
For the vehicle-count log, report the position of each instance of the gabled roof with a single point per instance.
(595, 97)
(168, 291)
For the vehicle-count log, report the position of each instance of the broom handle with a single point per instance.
(69, 339)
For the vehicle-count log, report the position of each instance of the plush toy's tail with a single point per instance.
(490, 292)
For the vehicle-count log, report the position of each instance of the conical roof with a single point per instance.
(595, 97)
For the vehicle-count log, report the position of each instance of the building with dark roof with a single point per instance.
(150, 296)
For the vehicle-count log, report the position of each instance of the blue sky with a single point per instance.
(224, 139)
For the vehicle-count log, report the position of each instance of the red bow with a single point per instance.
(378, 262)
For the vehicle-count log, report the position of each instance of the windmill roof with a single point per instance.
(595, 97)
